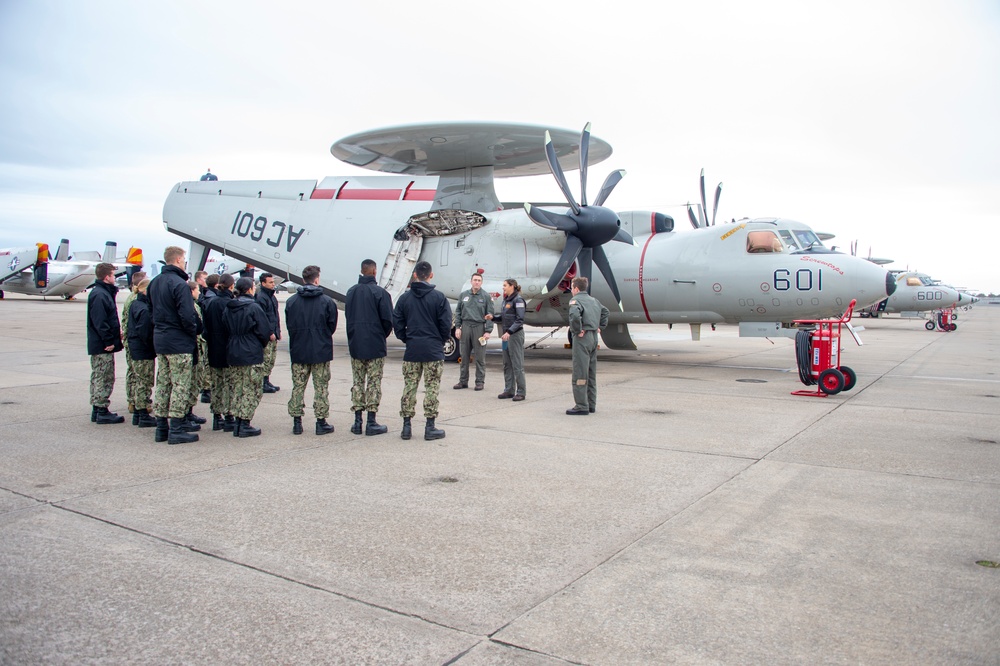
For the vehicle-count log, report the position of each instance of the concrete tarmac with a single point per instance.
(702, 515)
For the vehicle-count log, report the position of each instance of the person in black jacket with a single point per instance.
(140, 344)
(249, 332)
(217, 341)
(175, 332)
(269, 304)
(311, 321)
(422, 319)
(368, 308)
(104, 338)
(512, 325)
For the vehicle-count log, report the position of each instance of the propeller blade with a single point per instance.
(609, 184)
(704, 205)
(586, 260)
(569, 254)
(553, 160)
(601, 260)
(584, 152)
(715, 208)
(624, 237)
(548, 220)
(694, 220)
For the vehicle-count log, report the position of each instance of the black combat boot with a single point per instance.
(104, 417)
(296, 425)
(179, 433)
(162, 430)
(323, 428)
(269, 387)
(430, 432)
(238, 423)
(135, 417)
(405, 434)
(93, 414)
(229, 424)
(356, 428)
(218, 423)
(247, 430)
(206, 396)
(146, 419)
(373, 428)
(191, 417)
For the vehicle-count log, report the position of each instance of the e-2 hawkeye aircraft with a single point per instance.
(440, 206)
(32, 272)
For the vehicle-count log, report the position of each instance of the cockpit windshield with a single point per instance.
(763, 241)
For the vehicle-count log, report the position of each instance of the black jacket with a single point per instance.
(512, 320)
(368, 309)
(175, 325)
(248, 330)
(422, 319)
(140, 330)
(311, 320)
(216, 337)
(207, 294)
(268, 302)
(104, 329)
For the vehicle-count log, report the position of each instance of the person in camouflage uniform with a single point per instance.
(586, 317)
(249, 332)
(137, 277)
(471, 324)
(368, 308)
(268, 302)
(140, 341)
(206, 291)
(217, 342)
(175, 332)
(199, 363)
(104, 338)
(311, 321)
(422, 320)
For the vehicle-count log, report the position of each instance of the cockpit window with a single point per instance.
(786, 236)
(763, 241)
(807, 238)
(913, 282)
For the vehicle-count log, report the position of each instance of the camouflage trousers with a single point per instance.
(432, 371)
(270, 354)
(143, 377)
(222, 390)
(102, 379)
(203, 373)
(247, 389)
(366, 390)
(129, 376)
(173, 385)
(321, 389)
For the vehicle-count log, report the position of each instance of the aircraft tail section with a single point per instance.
(110, 252)
(16, 260)
(62, 252)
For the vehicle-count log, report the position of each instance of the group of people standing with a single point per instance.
(218, 336)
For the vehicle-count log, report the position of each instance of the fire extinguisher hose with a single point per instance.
(803, 355)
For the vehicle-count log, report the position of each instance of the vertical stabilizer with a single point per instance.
(62, 252)
(110, 252)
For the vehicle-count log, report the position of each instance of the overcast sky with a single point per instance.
(875, 121)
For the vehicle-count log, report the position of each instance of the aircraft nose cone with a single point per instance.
(890, 284)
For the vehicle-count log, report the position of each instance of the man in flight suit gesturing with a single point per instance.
(586, 317)
(470, 325)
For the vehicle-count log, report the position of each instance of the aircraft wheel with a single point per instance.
(452, 352)
(831, 381)
(929, 326)
(850, 377)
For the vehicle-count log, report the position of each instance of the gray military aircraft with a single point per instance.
(439, 205)
(32, 272)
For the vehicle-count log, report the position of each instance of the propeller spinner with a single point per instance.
(587, 228)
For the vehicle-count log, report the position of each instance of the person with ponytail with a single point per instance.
(249, 332)
(512, 327)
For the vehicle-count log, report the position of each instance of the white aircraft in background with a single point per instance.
(440, 206)
(32, 272)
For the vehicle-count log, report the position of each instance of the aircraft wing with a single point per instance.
(14, 261)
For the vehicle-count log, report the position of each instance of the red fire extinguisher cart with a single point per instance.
(818, 353)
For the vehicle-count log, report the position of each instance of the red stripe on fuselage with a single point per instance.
(419, 195)
(369, 195)
(642, 293)
(322, 194)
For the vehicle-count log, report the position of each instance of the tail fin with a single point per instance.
(110, 252)
(62, 252)
(134, 256)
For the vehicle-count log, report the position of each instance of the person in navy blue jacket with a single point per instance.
(249, 332)
(422, 319)
(368, 308)
(104, 338)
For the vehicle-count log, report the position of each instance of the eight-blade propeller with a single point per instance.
(701, 220)
(587, 228)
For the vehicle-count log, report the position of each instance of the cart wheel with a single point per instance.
(831, 381)
(953, 327)
(850, 377)
(955, 316)
(929, 326)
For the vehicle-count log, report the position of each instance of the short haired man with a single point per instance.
(311, 321)
(368, 309)
(586, 317)
(137, 277)
(268, 302)
(422, 320)
(104, 338)
(471, 324)
(175, 333)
